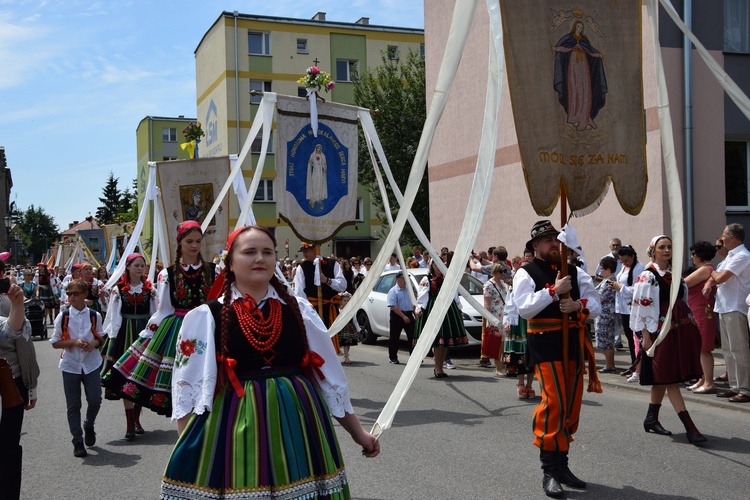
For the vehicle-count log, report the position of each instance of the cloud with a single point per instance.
(22, 50)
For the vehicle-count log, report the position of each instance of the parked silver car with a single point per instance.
(374, 315)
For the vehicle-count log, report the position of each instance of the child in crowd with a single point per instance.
(349, 336)
(78, 331)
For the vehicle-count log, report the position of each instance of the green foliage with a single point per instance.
(397, 90)
(37, 231)
(118, 206)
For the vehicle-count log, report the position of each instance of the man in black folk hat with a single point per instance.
(538, 288)
(320, 280)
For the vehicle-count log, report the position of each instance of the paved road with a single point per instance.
(466, 436)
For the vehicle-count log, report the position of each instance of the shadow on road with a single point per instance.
(150, 438)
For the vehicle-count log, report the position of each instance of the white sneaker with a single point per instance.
(633, 378)
(449, 366)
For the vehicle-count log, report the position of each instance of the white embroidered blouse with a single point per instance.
(194, 382)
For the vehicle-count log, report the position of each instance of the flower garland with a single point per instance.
(316, 79)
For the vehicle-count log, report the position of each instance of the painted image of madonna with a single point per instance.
(196, 200)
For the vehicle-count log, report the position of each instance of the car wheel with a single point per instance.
(365, 333)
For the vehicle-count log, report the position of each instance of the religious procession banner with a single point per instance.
(188, 190)
(316, 177)
(575, 79)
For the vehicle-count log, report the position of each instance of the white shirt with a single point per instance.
(624, 296)
(74, 359)
(530, 302)
(392, 267)
(338, 282)
(730, 295)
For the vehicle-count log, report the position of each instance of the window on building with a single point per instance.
(169, 134)
(302, 46)
(393, 52)
(259, 86)
(736, 26)
(255, 146)
(345, 70)
(301, 92)
(359, 215)
(168, 158)
(259, 43)
(421, 50)
(265, 192)
(736, 174)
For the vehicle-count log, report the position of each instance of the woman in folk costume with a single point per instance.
(452, 332)
(677, 357)
(145, 370)
(255, 381)
(96, 288)
(131, 305)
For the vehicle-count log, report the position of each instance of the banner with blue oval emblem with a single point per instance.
(316, 177)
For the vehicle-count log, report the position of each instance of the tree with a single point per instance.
(37, 231)
(397, 90)
(129, 211)
(117, 204)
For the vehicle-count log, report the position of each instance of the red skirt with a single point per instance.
(677, 358)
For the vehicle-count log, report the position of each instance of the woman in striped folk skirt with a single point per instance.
(131, 305)
(452, 332)
(255, 381)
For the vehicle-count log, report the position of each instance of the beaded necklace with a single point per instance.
(262, 333)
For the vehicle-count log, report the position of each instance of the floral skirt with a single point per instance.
(145, 370)
(114, 348)
(514, 350)
(452, 332)
(277, 441)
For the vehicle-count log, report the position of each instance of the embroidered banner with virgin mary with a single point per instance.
(575, 79)
(316, 177)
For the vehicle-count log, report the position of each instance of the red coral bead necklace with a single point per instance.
(261, 332)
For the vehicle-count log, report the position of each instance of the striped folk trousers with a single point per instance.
(552, 430)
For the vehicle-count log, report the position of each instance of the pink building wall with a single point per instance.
(509, 215)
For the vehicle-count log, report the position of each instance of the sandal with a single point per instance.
(347, 361)
(522, 394)
(530, 393)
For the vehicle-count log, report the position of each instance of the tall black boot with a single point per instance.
(565, 476)
(651, 424)
(692, 432)
(137, 419)
(130, 430)
(550, 466)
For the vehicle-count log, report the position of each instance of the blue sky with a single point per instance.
(76, 78)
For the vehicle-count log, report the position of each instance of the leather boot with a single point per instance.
(692, 432)
(137, 419)
(565, 476)
(651, 424)
(130, 431)
(550, 463)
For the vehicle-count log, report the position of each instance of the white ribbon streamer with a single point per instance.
(311, 96)
(674, 192)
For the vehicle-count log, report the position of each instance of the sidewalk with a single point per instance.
(622, 362)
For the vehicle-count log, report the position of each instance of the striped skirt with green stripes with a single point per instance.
(277, 441)
(452, 332)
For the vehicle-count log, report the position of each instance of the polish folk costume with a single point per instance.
(322, 293)
(46, 294)
(267, 431)
(144, 373)
(452, 332)
(536, 300)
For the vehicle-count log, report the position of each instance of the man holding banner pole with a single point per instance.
(538, 290)
(320, 280)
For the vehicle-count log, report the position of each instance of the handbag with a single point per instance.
(8, 388)
(492, 340)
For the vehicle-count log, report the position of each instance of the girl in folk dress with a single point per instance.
(133, 302)
(258, 355)
(144, 373)
(349, 336)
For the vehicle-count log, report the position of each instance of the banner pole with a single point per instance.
(563, 273)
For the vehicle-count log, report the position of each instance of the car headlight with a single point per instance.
(465, 316)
